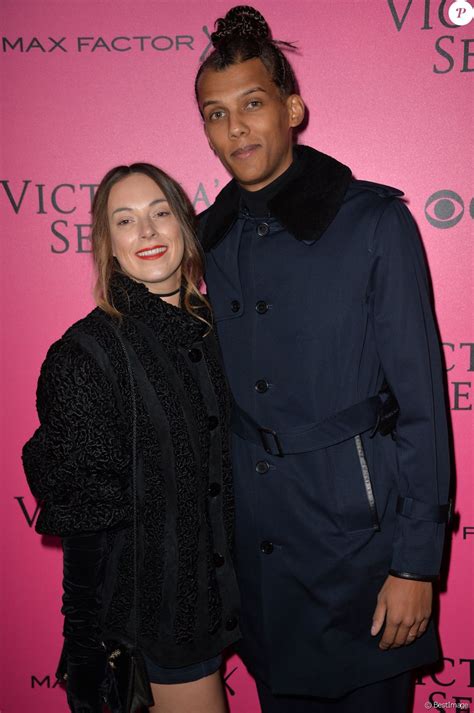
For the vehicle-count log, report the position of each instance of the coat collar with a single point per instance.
(305, 207)
(174, 324)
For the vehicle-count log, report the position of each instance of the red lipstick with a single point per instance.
(152, 253)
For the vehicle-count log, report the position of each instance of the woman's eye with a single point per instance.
(254, 104)
(124, 221)
(215, 115)
(161, 214)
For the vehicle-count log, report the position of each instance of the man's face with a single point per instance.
(248, 123)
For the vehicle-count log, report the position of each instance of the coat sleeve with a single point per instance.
(78, 462)
(410, 353)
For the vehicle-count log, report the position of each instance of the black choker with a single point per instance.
(167, 294)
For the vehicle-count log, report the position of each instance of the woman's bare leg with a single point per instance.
(203, 696)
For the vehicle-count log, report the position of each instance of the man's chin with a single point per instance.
(245, 175)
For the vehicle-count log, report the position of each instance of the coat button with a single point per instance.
(261, 386)
(213, 422)
(213, 490)
(262, 467)
(218, 559)
(231, 623)
(261, 307)
(266, 547)
(262, 229)
(195, 355)
(235, 305)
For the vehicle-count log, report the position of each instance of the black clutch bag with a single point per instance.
(129, 690)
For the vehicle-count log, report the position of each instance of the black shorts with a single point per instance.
(184, 674)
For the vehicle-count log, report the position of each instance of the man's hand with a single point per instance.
(405, 606)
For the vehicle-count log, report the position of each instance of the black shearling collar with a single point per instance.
(305, 207)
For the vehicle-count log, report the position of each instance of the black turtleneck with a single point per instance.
(257, 202)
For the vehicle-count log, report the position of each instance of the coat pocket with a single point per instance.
(353, 484)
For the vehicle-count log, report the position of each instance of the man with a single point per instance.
(322, 308)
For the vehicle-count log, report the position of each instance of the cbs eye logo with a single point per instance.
(444, 209)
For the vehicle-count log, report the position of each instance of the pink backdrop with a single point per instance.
(87, 85)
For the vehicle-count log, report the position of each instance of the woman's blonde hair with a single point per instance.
(192, 266)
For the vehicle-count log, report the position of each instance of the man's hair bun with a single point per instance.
(241, 35)
(241, 21)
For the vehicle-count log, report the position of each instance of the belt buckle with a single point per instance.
(264, 433)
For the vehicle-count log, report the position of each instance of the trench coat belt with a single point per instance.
(349, 422)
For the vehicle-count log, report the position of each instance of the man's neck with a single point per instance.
(256, 202)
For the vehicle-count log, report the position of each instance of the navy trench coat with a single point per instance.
(315, 307)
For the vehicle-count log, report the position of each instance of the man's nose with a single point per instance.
(237, 126)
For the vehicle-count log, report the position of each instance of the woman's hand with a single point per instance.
(86, 681)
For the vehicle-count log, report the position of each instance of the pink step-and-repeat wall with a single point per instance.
(88, 84)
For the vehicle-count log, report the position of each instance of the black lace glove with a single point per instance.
(84, 658)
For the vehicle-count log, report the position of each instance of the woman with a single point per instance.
(136, 389)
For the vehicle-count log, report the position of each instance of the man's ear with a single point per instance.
(296, 110)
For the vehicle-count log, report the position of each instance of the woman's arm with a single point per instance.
(78, 463)
(84, 659)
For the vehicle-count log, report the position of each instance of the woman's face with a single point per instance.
(146, 236)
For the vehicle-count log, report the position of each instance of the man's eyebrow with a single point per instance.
(244, 94)
(158, 200)
(254, 89)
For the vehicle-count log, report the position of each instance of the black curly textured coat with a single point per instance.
(79, 464)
